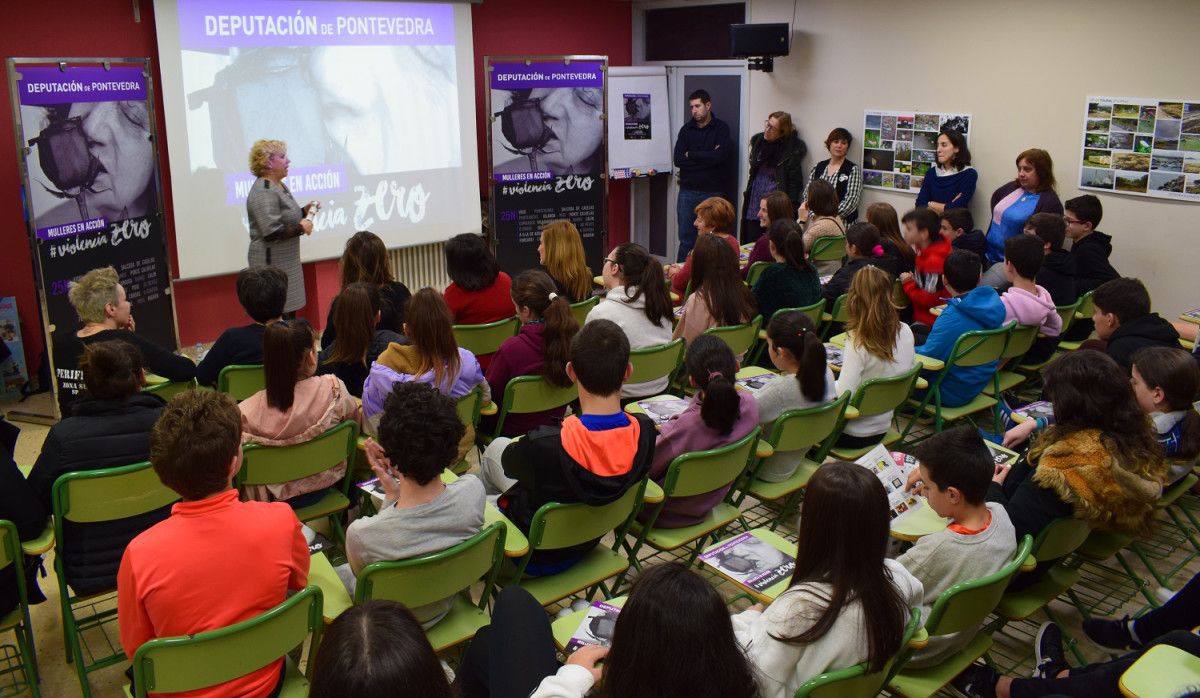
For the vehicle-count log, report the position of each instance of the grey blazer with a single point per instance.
(275, 232)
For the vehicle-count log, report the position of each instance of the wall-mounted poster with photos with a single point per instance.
(899, 147)
(1142, 146)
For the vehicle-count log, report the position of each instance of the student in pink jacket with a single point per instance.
(1025, 301)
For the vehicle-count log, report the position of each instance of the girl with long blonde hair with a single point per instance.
(561, 253)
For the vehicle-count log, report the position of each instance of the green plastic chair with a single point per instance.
(1084, 311)
(899, 297)
(755, 271)
(812, 311)
(1067, 314)
(974, 348)
(837, 314)
(173, 664)
(797, 432)
(95, 496)
(430, 578)
(525, 394)
(469, 408)
(1163, 671)
(690, 474)
(272, 465)
(170, 389)
(581, 309)
(961, 608)
(12, 563)
(556, 526)
(740, 338)
(828, 248)
(240, 381)
(859, 681)
(652, 363)
(1019, 343)
(877, 396)
(485, 339)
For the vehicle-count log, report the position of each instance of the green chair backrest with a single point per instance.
(828, 248)
(800, 430)
(428, 578)
(1020, 341)
(10, 551)
(468, 406)
(755, 271)
(485, 339)
(813, 312)
(1067, 313)
(965, 605)
(1086, 307)
(899, 297)
(525, 394)
(739, 337)
(169, 389)
(557, 525)
(581, 309)
(979, 347)
(651, 363)
(240, 381)
(880, 395)
(93, 496)
(270, 465)
(839, 312)
(1060, 538)
(699, 472)
(173, 664)
(857, 681)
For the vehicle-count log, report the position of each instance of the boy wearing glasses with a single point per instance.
(1090, 249)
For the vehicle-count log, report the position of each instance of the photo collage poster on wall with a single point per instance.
(899, 147)
(1142, 146)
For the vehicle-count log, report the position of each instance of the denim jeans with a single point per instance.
(685, 208)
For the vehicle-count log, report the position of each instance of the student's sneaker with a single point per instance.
(1049, 652)
(1110, 634)
(977, 681)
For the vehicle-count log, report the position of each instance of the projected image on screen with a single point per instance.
(366, 95)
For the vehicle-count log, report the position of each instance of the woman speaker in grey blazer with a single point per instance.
(276, 220)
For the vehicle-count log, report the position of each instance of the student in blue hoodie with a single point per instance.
(971, 307)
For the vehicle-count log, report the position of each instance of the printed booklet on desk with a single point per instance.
(751, 562)
(1002, 455)
(833, 356)
(893, 470)
(374, 489)
(317, 543)
(1037, 410)
(754, 384)
(597, 627)
(661, 411)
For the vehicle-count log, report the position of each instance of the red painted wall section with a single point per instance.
(107, 28)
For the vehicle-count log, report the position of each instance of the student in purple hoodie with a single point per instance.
(1025, 301)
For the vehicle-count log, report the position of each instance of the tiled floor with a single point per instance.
(1102, 587)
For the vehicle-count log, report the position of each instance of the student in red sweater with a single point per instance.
(479, 292)
(924, 287)
(217, 560)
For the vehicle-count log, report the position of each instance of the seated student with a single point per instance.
(881, 215)
(1124, 322)
(774, 206)
(1090, 248)
(717, 416)
(1166, 383)
(714, 216)
(970, 307)
(479, 292)
(1057, 274)
(419, 433)
(372, 648)
(365, 259)
(796, 350)
(216, 561)
(592, 457)
(20, 505)
(878, 345)
(1099, 461)
(432, 357)
(1025, 301)
(296, 406)
(847, 602)
(922, 230)
(954, 471)
(818, 217)
(1180, 612)
(864, 250)
(958, 226)
(671, 612)
(262, 291)
(540, 348)
(719, 296)
(637, 300)
(560, 252)
(99, 299)
(360, 339)
(791, 282)
(110, 427)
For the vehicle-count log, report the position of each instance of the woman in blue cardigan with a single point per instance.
(950, 184)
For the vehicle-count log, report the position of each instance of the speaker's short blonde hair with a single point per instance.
(93, 291)
(261, 151)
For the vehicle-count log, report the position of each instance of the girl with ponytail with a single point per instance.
(717, 416)
(541, 347)
(791, 282)
(796, 350)
(637, 300)
(864, 247)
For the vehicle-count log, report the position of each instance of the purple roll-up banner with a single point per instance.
(219, 24)
(42, 86)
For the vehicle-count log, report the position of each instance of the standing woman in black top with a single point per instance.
(365, 259)
(276, 220)
(845, 175)
(776, 164)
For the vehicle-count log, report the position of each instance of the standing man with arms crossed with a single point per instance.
(702, 151)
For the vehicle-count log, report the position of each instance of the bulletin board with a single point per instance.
(1143, 146)
(639, 137)
(899, 146)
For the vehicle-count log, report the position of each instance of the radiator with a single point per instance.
(420, 266)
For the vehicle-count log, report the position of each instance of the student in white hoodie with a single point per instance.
(847, 603)
(638, 301)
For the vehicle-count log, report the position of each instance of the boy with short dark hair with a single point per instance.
(954, 471)
(1122, 317)
(922, 230)
(958, 226)
(1057, 274)
(1025, 301)
(216, 561)
(971, 307)
(262, 291)
(593, 457)
(1090, 248)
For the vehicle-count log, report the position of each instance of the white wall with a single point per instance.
(1023, 69)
